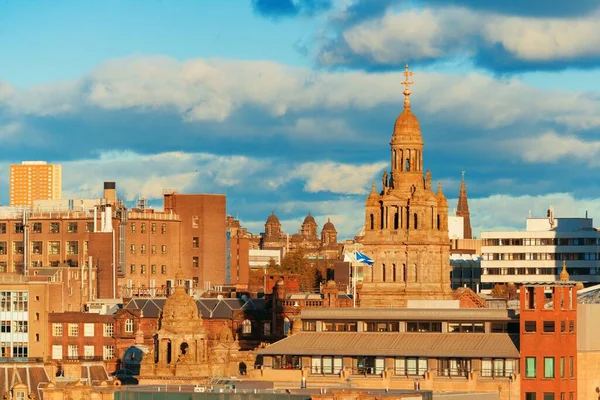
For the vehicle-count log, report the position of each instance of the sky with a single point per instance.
(289, 105)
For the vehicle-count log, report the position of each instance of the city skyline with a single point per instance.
(291, 108)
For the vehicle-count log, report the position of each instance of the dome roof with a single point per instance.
(309, 220)
(180, 305)
(407, 127)
(329, 226)
(273, 219)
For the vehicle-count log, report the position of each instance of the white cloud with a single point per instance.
(336, 177)
(550, 147)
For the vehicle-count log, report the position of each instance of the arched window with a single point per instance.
(246, 327)
(416, 220)
(394, 160)
(286, 326)
(372, 221)
(404, 272)
(407, 162)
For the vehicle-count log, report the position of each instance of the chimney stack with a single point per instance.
(110, 192)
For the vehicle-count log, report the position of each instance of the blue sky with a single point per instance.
(288, 105)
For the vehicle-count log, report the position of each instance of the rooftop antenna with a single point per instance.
(529, 213)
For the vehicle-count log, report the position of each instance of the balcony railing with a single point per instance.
(4, 360)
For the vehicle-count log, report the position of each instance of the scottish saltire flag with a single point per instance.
(363, 258)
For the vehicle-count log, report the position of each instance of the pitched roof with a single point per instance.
(397, 344)
(208, 307)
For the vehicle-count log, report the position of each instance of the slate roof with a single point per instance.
(208, 307)
(397, 344)
(31, 375)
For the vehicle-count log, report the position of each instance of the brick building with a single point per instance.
(34, 180)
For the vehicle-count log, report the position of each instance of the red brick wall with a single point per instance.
(101, 250)
(540, 344)
(240, 263)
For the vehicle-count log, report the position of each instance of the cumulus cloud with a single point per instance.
(289, 8)
(336, 177)
(497, 41)
(551, 147)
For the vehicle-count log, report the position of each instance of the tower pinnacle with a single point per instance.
(406, 84)
(463, 209)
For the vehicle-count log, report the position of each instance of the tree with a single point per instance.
(503, 291)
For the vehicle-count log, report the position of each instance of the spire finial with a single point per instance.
(463, 175)
(564, 275)
(406, 84)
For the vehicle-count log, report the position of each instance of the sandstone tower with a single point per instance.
(406, 227)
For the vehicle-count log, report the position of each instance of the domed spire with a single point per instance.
(564, 275)
(328, 225)
(407, 128)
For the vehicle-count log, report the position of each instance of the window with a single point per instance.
(132, 227)
(530, 367)
(2, 227)
(54, 227)
(72, 227)
(466, 327)
(548, 326)
(548, 367)
(195, 221)
(571, 367)
(548, 396)
(143, 249)
(3, 248)
(57, 352)
(57, 329)
(163, 269)
(18, 227)
(89, 227)
(163, 228)
(36, 247)
(36, 227)
(497, 367)
(143, 227)
(164, 249)
(530, 326)
(3, 266)
(195, 242)
(562, 367)
(74, 329)
(132, 269)
(454, 367)
(195, 262)
(88, 351)
(563, 326)
(132, 248)
(571, 326)
(18, 248)
(54, 248)
(143, 269)
(246, 327)
(153, 249)
(266, 329)
(88, 329)
(326, 365)
(410, 366)
(153, 269)
(423, 326)
(72, 248)
(73, 351)
(108, 352)
(129, 325)
(153, 228)
(109, 329)
(530, 396)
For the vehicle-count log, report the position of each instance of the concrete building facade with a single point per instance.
(34, 180)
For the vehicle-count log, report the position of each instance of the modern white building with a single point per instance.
(537, 253)
(456, 227)
(260, 258)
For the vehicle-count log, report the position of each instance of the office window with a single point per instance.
(163, 228)
(88, 351)
(163, 269)
(74, 329)
(73, 248)
(109, 329)
(548, 326)
(54, 227)
(563, 326)
(89, 227)
(73, 351)
(530, 367)
(132, 269)
(143, 269)
(132, 248)
(2, 227)
(88, 329)
(195, 242)
(548, 396)
(129, 325)
(143, 249)
(57, 352)
(153, 269)
(266, 328)
(143, 227)
(54, 248)
(548, 367)
(132, 227)
(530, 326)
(57, 329)
(246, 327)
(36, 247)
(108, 352)
(36, 227)
(85, 246)
(530, 396)
(72, 227)
(562, 367)
(195, 262)
(153, 249)
(3, 248)
(18, 248)
(18, 227)
(195, 221)
(571, 367)
(153, 228)
(571, 326)
(163, 249)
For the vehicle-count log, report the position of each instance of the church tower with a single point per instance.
(463, 209)
(406, 226)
